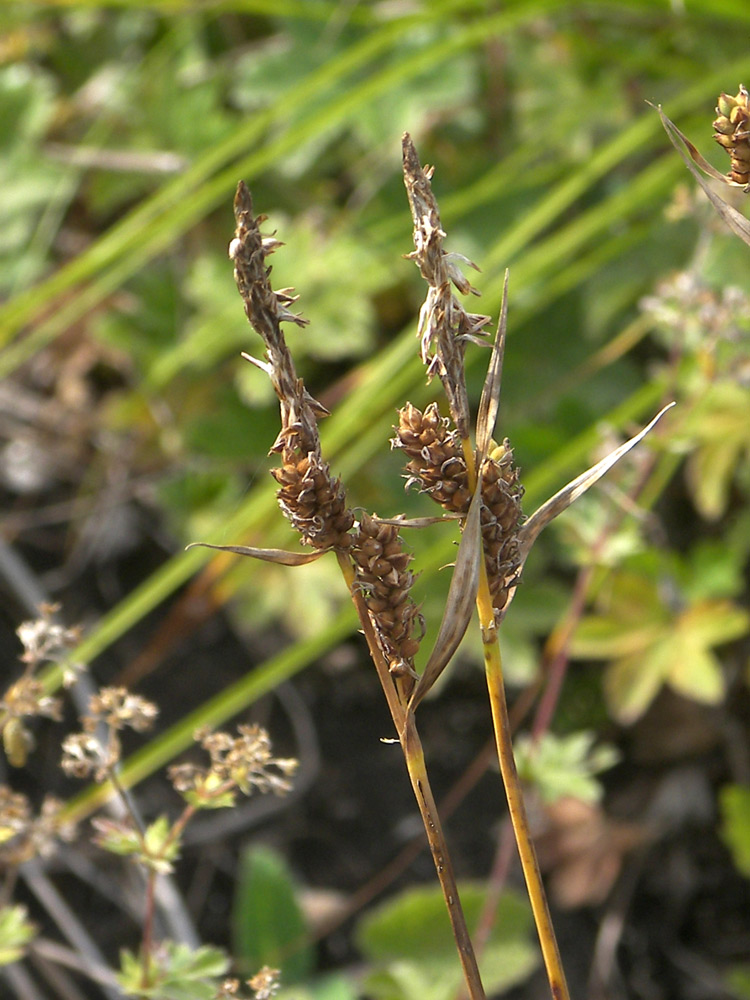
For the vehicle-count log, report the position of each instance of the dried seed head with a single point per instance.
(444, 325)
(732, 132)
(385, 582)
(501, 519)
(309, 496)
(437, 464)
(314, 502)
(436, 460)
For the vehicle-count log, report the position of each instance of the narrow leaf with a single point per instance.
(416, 522)
(459, 604)
(565, 497)
(279, 556)
(490, 401)
(737, 222)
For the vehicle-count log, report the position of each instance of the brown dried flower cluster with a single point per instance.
(85, 753)
(385, 581)
(245, 762)
(310, 497)
(44, 641)
(437, 464)
(24, 836)
(732, 132)
(265, 984)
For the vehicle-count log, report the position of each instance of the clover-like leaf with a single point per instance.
(564, 766)
(174, 972)
(650, 645)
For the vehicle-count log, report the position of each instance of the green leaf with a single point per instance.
(267, 924)
(698, 675)
(561, 766)
(631, 684)
(175, 972)
(410, 944)
(738, 981)
(335, 987)
(15, 933)
(734, 803)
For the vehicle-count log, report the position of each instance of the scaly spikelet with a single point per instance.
(732, 132)
(385, 581)
(437, 464)
(314, 502)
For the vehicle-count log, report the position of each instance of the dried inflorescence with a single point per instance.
(310, 497)
(86, 753)
(313, 500)
(445, 327)
(44, 640)
(732, 132)
(385, 581)
(265, 984)
(24, 836)
(245, 761)
(437, 464)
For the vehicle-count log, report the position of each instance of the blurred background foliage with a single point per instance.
(127, 419)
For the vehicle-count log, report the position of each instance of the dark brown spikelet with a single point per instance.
(314, 502)
(310, 497)
(732, 131)
(437, 464)
(385, 581)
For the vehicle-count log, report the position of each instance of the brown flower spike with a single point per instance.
(732, 132)
(312, 500)
(385, 581)
(437, 464)
(439, 452)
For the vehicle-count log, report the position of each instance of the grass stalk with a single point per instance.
(506, 759)
(411, 745)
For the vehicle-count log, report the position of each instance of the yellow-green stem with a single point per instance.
(514, 794)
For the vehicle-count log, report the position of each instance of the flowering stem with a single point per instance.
(514, 794)
(415, 763)
(148, 928)
(411, 746)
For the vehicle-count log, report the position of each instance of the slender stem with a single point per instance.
(513, 791)
(517, 810)
(148, 928)
(415, 763)
(411, 746)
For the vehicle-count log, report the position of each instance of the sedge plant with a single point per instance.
(471, 476)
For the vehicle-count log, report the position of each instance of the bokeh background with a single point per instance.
(129, 427)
